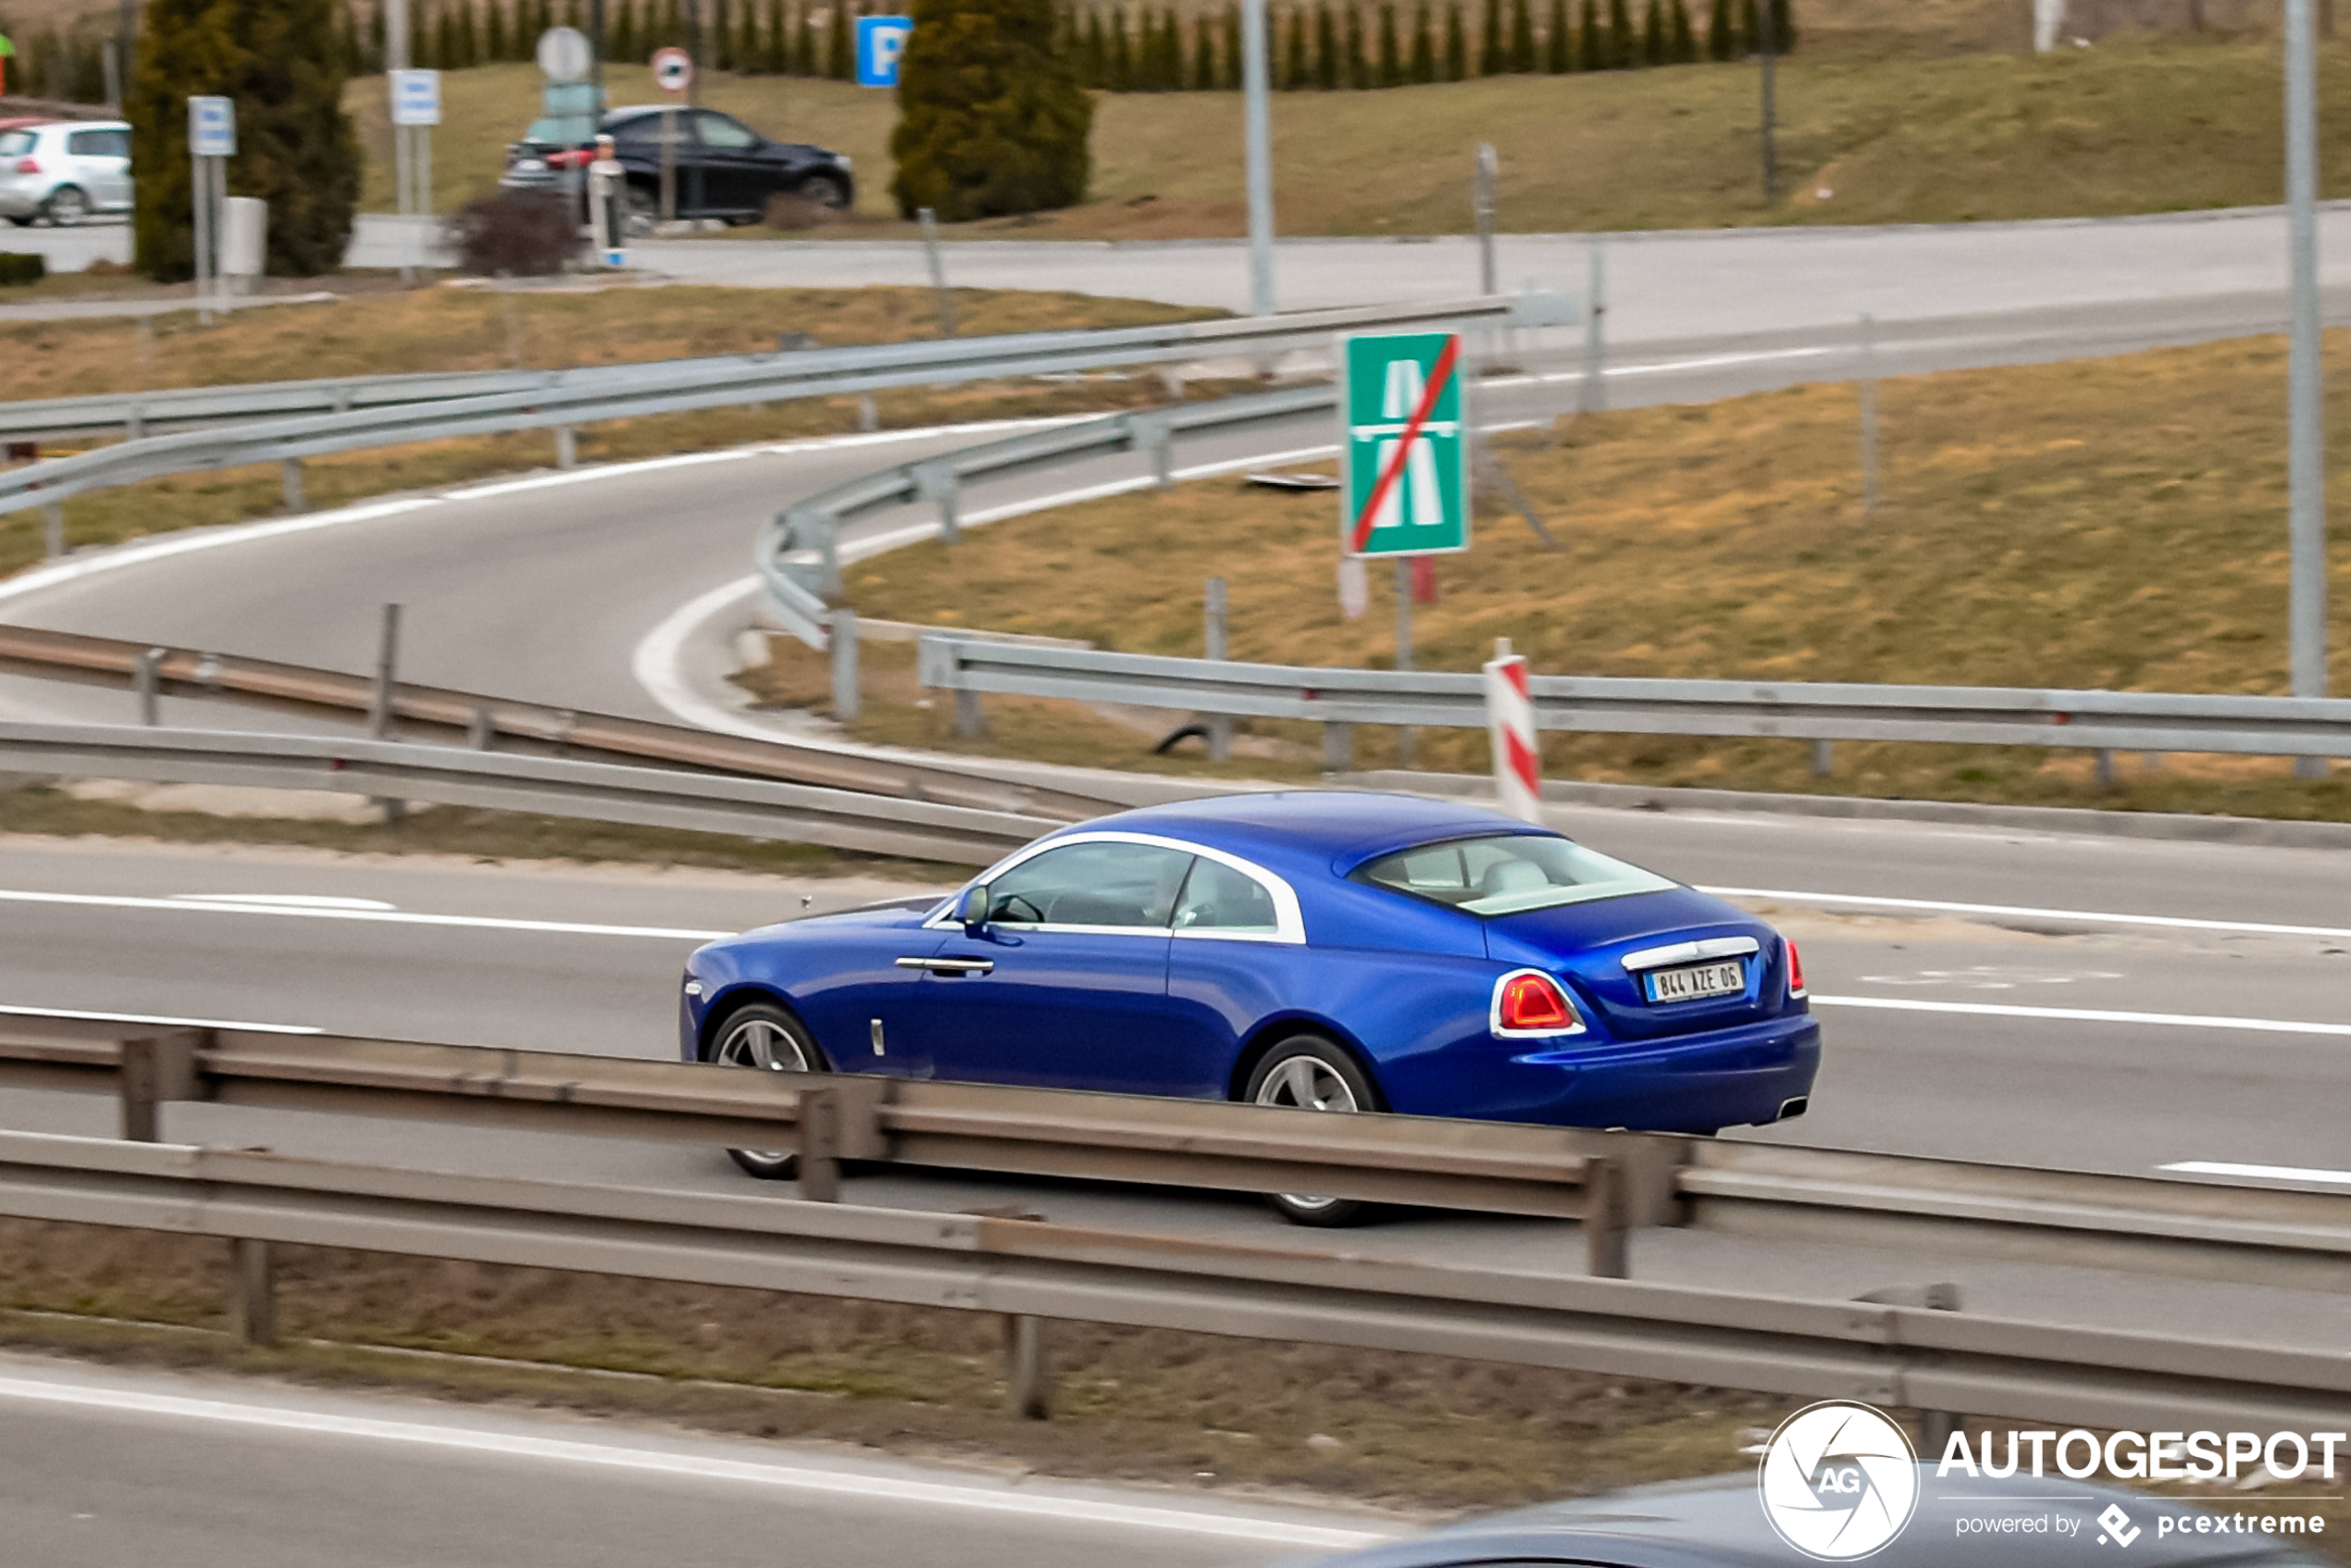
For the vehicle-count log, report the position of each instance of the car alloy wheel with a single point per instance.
(823, 191)
(766, 1039)
(65, 206)
(1307, 1074)
(639, 212)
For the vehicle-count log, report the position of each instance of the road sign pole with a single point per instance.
(1403, 649)
(395, 15)
(2306, 451)
(1482, 210)
(669, 163)
(1769, 48)
(1258, 139)
(1592, 397)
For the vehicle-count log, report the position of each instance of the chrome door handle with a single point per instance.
(950, 965)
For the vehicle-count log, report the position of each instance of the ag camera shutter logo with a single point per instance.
(1838, 1481)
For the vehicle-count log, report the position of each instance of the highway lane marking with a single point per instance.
(2259, 1173)
(160, 1022)
(698, 1467)
(186, 904)
(1941, 906)
(291, 900)
(2087, 1015)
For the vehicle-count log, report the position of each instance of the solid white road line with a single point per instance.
(160, 1022)
(2087, 1015)
(2257, 1172)
(385, 917)
(1940, 906)
(1027, 1503)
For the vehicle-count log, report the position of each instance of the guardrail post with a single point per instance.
(1338, 747)
(144, 682)
(1823, 758)
(1592, 397)
(380, 714)
(52, 529)
(481, 730)
(134, 425)
(1152, 433)
(868, 416)
(155, 1069)
(1028, 1381)
(937, 482)
(567, 447)
(845, 651)
(820, 1130)
(290, 481)
(1936, 1428)
(1220, 725)
(2103, 762)
(252, 1292)
(1606, 1253)
(945, 300)
(970, 722)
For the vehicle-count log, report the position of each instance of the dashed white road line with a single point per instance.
(2082, 916)
(158, 1021)
(2087, 1015)
(1045, 1505)
(197, 906)
(2257, 1172)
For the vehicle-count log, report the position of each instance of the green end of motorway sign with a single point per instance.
(1404, 445)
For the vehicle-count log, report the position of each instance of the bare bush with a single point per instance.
(790, 209)
(514, 234)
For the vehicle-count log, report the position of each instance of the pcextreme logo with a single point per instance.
(1838, 1481)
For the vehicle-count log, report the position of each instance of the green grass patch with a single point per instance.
(2115, 523)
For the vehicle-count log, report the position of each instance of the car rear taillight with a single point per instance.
(28, 166)
(1794, 969)
(1530, 1003)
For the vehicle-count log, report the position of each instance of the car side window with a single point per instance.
(89, 144)
(1100, 884)
(725, 135)
(1217, 898)
(643, 133)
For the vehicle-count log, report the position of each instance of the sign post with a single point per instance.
(880, 41)
(416, 109)
(212, 141)
(1404, 461)
(673, 73)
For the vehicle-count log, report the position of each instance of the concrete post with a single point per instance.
(1028, 1383)
(252, 1292)
(843, 641)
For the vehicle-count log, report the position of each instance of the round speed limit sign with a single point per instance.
(673, 70)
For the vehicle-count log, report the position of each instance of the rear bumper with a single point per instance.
(1726, 1078)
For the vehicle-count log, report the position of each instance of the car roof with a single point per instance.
(1344, 828)
(1719, 1520)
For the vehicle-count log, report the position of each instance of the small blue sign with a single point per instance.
(415, 97)
(212, 128)
(880, 40)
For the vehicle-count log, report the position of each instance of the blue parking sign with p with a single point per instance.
(880, 40)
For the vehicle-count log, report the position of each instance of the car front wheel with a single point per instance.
(639, 212)
(1307, 1073)
(766, 1037)
(823, 191)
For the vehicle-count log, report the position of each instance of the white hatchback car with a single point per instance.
(65, 171)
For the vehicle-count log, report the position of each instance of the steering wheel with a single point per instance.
(1034, 913)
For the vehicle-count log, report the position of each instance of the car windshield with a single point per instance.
(16, 143)
(1508, 872)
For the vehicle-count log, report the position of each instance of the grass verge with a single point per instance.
(2134, 125)
(2115, 523)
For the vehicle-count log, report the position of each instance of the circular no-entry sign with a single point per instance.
(673, 70)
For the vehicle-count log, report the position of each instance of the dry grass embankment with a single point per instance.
(473, 330)
(2101, 523)
(2134, 125)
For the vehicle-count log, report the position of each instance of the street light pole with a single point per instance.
(1769, 48)
(1258, 139)
(2306, 435)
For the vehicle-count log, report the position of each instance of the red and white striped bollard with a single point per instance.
(1509, 721)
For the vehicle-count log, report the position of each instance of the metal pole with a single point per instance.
(126, 33)
(1258, 139)
(842, 638)
(1220, 725)
(1403, 648)
(1593, 395)
(1869, 419)
(937, 273)
(387, 665)
(144, 679)
(669, 163)
(395, 13)
(2305, 458)
(1482, 206)
(1768, 46)
(199, 195)
(52, 529)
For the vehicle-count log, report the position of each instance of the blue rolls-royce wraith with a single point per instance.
(1338, 951)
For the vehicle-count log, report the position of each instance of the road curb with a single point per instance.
(2174, 825)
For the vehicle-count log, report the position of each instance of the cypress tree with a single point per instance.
(623, 40)
(1391, 54)
(493, 32)
(1231, 81)
(468, 35)
(1355, 73)
(1205, 74)
(1522, 57)
(1558, 44)
(1456, 43)
(1721, 44)
(1750, 37)
(374, 41)
(839, 63)
(1423, 67)
(779, 56)
(444, 40)
(1622, 43)
(991, 120)
(1653, 35)
(1176, 63)
(1118, 65)
(1325, 47)
(296, 150)
(1685, 43)
(1289, 73)
(1093, 54)
(1783, 26)
(1489, 48)
(1591, 50)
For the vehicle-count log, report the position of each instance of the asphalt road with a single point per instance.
(102, 1467)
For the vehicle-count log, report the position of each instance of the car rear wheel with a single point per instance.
(65, 206)
(640, 211)
(1306, 1073)
(766, 1037)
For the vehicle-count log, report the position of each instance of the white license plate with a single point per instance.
(1696, 982)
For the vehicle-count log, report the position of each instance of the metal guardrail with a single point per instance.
(677, 386)
(597, 792)
(395, 706)
(1885, 1354)
(2312, 727)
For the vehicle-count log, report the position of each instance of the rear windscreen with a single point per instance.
(16, 143)
(1507, 874)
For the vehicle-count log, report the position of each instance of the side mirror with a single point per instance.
(973, 910)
